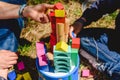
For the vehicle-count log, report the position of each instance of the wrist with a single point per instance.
(21, 9)
(81, 20)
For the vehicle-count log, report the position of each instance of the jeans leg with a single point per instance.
(99, 49)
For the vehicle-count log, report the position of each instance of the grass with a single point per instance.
(34, 32)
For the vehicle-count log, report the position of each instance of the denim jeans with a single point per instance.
(10, 30)
(98, 43)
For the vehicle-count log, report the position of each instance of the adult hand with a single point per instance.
(7, 59)
(75, 28)
(38, 12)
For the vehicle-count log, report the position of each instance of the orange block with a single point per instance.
(76, 43)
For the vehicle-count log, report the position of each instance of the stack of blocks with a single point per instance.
(41, 54)
(58, 24)
(62, 57)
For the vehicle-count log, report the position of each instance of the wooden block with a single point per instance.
(59, 13)
(62, 46)
(40, 49)
(85, 73)
(76, 43)
(27, 76)
(66, 29)
(59, 6)
(20, 65)
(74, 56)
(43, 60)
(60, 20)
(60, 32)
(12, 75)
(19, 77)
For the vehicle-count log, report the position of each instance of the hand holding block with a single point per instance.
(59, 13)
(27, 76)
(62, 46)
(20, 65)
(85, 73)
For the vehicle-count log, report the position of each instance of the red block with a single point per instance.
(76, 43)
(60, 20)
(59, 6)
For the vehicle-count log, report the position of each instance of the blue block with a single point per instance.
(12, 75)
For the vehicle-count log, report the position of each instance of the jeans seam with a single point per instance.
(99, 50)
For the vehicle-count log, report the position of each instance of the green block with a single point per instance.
(74, 56)
(62, 53)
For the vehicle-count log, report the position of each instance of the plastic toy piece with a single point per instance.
(20, 65)
(19, 77)
(76, 43)
(85, 73)
(62, 46)
(59, 13)
(12, 75)
(59, 6)
(27, 76)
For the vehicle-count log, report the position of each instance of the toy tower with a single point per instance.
(58, 24)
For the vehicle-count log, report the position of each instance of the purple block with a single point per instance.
(20, 65)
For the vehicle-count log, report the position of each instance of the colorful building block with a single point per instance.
(20, 65)
(60, 20)
(59, 13)
(27, 76)
(12, 75)
(41, 54)
(76, 43)
(62, 46)
(59, 6)
(85, 73)
(74, 56)
(19, 77)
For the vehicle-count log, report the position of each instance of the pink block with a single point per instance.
(43, 60)
(41, 53)
(40, 48)
(20, 65)
(85, 73)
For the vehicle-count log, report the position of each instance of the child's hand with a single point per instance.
(75, 29)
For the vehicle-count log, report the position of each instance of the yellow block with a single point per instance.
(19, 77)
(59, 13)
(26, 76)
(62, 46)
